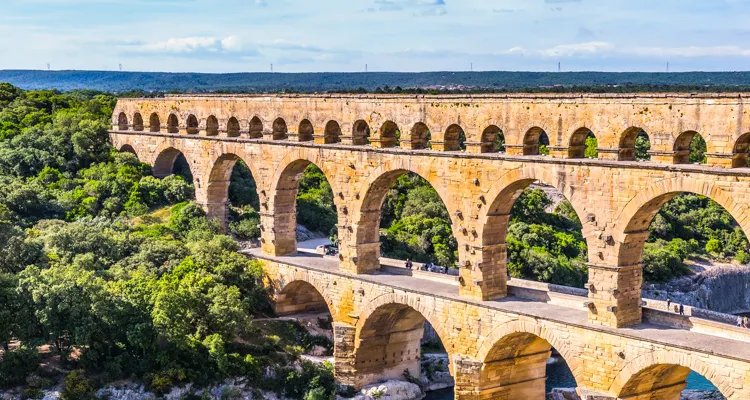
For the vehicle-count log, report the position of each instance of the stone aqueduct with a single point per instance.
(364, 143)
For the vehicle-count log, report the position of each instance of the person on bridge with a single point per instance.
(739, 321)
(682, 309)
(669, 302)
(408, 263)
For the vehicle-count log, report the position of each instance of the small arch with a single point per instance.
(420, 136)
(173, 124)
(279, 129)
(126, 148)
(360, 133)
(740, 151)
(192, 125)
(233, 127)
(122, 122)
(580, 144)
(305, 131)
(154, 123)
(634, 144)
(493, 140)
(389, 134)
(332, 133)
(212, 126)
(256, 128)
(689, 148)
(137, 122)
(535, 142)
(455, 138)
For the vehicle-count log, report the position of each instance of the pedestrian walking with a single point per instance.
(682, 309)
(744, 322)
(739, 321)
(669, 302)
(409, 264)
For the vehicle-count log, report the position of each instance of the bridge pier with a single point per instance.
(615, 295)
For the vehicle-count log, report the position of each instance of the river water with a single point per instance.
(559, 376)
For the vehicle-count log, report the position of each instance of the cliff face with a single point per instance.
(723, 289)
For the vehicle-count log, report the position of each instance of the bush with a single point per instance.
(16, 365)
(78, 387)
(742, 257)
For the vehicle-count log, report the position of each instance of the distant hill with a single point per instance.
(369, 81)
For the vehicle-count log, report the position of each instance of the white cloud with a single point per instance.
(691, 51)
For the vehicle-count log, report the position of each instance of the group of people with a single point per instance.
(430, 267)
(678, 309)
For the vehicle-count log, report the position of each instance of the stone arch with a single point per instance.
(626, 150)
(332, 133)
(128, 149)
(635, 218)
(154, 123)
(577, 143)
(137, 122)
(489, 140)
(682, 147)
(420, 136)
(233, 127)
(514, 360)
(285, 185)
(279, 129)
(664, 372)
(370, 209)
(455, 138)
(191, 125)
(173, 124)
(165, 161)
(212, 126)
(305, 131)
(532, 139)
(360, 132)
(217, 186)
(256, 128)
(122, 122)
(387, 337)
(740, 151)
(303, 295)
(389, 134)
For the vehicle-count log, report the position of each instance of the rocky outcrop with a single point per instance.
(390, 390)
(435, 373)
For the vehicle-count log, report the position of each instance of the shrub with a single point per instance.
(16, 365)
(78, 387)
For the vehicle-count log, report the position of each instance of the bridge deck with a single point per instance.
(659, 334)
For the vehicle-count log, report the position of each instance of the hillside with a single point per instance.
(319, 82)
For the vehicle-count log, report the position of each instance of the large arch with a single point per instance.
(285, 183)
(388, 337)
(332, 133)
(662, 374)
(305, 131)
(164, 162)
(302, 296)
(740, 151)
(492, 137)
(360, 132)
(127, 148)
(212, 126)
(154, 123)
(137, 122)
(219, 180)
(256, 128)
(420, 136)
(634, 220)
(378, 184)
(122, 122)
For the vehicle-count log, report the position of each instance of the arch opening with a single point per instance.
(397, 342)
(403, 217)
(634, 145)
(256, 128)
(232, 190)
(523, 366)
(493, 140)
(233, 127)
(172, 162)
(154, 123)
(689, 148)
(300, 297)
(192, 125)
(129, 149)
(533, 232)
(305, 132)
(303, 197)
(390, 134)
(360, 133)
(455, 138)
(279, 129)
(137, 122)
(122, 122)
(332, 133)
(668, 382)
(583, 144)
(535, 142)
(740, 151)
(173, 125)
(420, 137)
(212, 126)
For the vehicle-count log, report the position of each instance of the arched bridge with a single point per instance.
(364, 143)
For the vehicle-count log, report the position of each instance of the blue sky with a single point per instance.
(388, 35)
